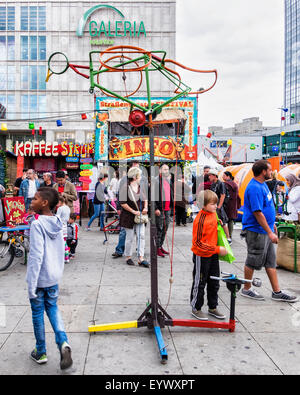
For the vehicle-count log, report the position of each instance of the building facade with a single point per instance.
(248, 126)
(229, 149)
(31, 31)
(284, 142)
(292, 60)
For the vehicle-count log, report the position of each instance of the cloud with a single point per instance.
(244, 41)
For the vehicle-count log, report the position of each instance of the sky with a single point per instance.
(244, 41)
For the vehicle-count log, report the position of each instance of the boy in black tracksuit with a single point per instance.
(72, 237)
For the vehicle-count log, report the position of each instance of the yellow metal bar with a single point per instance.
(116, 325)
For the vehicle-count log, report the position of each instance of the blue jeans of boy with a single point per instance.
(47, 301)
(98, 212)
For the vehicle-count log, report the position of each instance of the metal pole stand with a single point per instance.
(155, 317)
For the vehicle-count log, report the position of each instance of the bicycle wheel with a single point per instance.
(7, 255)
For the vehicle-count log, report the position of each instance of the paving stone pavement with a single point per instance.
(97, 288)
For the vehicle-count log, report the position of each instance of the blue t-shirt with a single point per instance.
(258, 197)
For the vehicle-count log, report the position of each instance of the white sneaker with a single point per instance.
(252, 294)
(87, 229)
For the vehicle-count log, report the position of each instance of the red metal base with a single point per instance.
(205, 324)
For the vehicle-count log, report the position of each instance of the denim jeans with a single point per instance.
(47, 300)
(27, 203)
(121, 244)
(98, 212)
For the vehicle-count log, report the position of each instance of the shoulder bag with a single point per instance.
(139, 218)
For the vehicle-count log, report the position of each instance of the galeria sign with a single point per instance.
(118, 27)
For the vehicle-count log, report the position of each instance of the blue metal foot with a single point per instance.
(161, 345)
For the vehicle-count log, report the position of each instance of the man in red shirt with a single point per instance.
(163, 205)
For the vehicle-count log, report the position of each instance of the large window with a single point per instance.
(7, 18)
(7, 47)
(33, 18)
(33, 77)
(7, 77)
(9, 103)
(33, 47)
(33, 106)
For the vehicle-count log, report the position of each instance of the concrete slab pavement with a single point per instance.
(97, 288)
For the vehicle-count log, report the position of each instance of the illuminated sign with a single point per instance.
(103, 33)
(168, 147)
(70, 150)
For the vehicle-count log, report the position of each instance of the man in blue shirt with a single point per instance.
(261, 233)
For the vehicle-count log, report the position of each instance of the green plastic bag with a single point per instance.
(223, 242)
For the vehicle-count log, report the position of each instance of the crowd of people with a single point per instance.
(54, 232)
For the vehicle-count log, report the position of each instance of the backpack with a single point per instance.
(227, 195)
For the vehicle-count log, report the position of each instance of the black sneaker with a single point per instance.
(65, 356)
(116, 255)
(144, 263)
(130, 262)
(283, 297)
(40, 359)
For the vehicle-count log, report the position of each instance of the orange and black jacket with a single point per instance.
(205, 234)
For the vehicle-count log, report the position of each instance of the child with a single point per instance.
(28, 219)
(44, 271)
(205, 256)
(72, 237)
(63, 212)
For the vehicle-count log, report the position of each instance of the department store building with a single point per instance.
(30, 31)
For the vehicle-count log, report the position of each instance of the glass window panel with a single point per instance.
(42, 18)
(11, 77)
(11, 101)
(33, 109)
(24, 47)
(10, 18)
(24, 107)
(2, 18)
(42, 105)
(11, 47)
(33, 77)
(42, 77)
(24, 18)
(33, 18)
(33, 47)
(24, 77)
(42, 47)
(3, 107)
(3, 48)
(3, 77)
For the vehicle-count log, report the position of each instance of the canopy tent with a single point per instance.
(290, 169)
(242, 176)
(205, 161)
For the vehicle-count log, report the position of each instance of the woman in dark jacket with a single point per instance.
(134, 205)
(234, 202)
(182, 191)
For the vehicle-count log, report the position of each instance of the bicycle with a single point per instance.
(16, 244)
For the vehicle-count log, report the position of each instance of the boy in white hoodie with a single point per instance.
(44, 271)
